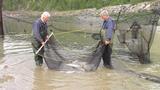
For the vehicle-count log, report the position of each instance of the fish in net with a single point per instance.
(57, 58)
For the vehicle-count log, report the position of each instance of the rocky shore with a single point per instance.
(93, 11)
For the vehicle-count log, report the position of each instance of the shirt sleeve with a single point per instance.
(36, 32)
(109, 30)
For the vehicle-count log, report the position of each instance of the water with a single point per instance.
(18, 70)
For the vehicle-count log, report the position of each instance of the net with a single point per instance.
(67, 54)
(78, 50)
(137, 32)
(56, 58)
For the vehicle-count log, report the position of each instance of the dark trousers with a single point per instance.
(107, 55)
(38, 57)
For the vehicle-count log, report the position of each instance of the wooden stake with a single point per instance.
(1, 20)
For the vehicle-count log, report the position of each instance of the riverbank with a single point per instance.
(62, 5)
(93, 11)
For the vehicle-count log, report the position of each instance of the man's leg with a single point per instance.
(38, 60)
(38, 57)
(107, 56)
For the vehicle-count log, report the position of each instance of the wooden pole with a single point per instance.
(1, 20)
(44, 43)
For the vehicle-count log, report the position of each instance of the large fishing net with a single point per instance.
(59, 58)
(60, 54)
(72, 49)
(137, 32)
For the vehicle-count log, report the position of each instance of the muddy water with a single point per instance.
(18, 70)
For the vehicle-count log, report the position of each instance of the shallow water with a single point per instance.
(18, 70)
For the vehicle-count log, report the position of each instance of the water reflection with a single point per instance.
(40, 80)
(56, 80)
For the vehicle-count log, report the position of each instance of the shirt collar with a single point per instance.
(41, 21)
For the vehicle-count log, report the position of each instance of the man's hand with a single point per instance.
(47, 37)
(42, 43)
(106, 42)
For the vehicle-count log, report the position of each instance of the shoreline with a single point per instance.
(92, 11)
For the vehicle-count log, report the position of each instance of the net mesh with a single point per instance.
(59, 58)
(62, 54)
(136, 31)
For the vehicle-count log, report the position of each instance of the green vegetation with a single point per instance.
(62, 4)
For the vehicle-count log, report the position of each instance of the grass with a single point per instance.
(41, 5)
